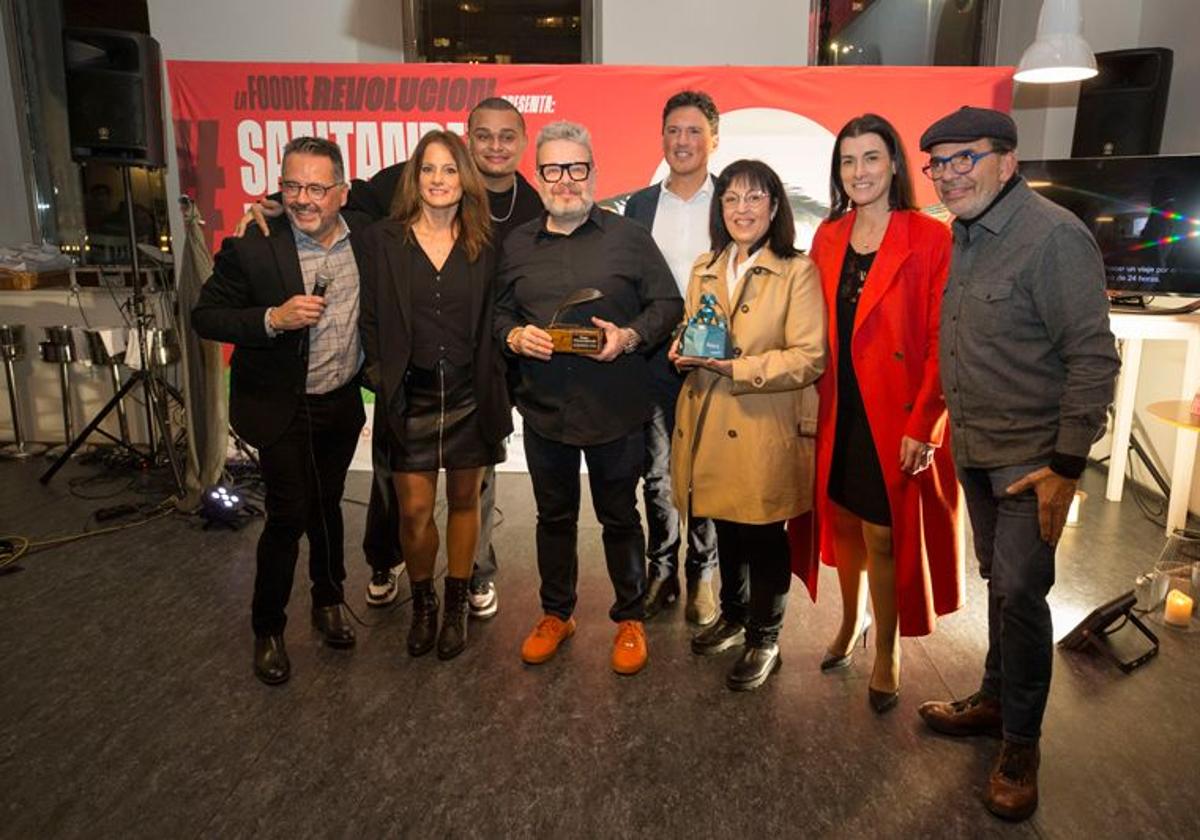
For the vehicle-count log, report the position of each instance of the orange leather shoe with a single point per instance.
(629, 648)
(543, 642)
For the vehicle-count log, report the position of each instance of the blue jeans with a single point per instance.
(662, 520)
(1019, 569)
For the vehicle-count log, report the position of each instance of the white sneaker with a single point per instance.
(382, 589)
(483, 600)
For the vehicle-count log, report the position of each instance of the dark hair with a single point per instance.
(900, 194)
(781, 233)
(474, 226)
(694, 99)
(1001, 146)
(496, 103)
(317, 146)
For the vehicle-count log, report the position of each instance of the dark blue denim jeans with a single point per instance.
(1019, 569)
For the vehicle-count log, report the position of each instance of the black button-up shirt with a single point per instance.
(1027, 357)
(573, 399)
(441, 309)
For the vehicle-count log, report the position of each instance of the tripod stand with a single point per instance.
(155, 388)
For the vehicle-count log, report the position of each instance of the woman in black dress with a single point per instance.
(427, 304)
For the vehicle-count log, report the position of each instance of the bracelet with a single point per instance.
(632, 343)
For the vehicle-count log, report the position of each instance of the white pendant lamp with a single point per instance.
(1059, 53)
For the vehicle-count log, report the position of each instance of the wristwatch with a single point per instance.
(633, 342)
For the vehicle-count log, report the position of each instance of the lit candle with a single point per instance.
(1177, 609)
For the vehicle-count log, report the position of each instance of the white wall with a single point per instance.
(277, 30)
(1176, 24)
(703, 32)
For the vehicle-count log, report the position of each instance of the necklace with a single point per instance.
(867, 240)
(511, 207)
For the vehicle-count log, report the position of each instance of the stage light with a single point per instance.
(221, 505)
(1058, 53)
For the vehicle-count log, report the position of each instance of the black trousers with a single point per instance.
(756, 574)
(381, 534)
(662, 520)
(305, 474)
(613, 472)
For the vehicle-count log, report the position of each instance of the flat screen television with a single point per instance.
(1143, 211)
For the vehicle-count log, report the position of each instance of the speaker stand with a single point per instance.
(155, 388)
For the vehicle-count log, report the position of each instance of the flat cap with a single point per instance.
(968, 124)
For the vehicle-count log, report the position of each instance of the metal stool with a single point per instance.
(12, 349)
(98, 352)
(59, 349)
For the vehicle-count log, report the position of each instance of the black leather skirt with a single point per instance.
(441, 423)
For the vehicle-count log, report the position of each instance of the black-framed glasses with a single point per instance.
(552, 173)
(960, 163)
(291, 189)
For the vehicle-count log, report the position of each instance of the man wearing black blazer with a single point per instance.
(676, 212)
(289, 303)
(497, 139)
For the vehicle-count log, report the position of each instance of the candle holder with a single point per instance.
(1175, 587)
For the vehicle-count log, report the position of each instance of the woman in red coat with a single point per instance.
(886, 496)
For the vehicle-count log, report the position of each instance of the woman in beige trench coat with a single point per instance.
(744, 427)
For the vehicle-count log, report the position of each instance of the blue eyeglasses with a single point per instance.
(960, 163)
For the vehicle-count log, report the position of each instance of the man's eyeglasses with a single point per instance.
(960, 163)
(552, 173)
(753, 200)
(316, 192)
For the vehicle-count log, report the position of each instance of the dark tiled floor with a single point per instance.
(128, 708)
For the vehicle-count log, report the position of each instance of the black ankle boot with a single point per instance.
(423, 632)
(758, 662)
(453, 638)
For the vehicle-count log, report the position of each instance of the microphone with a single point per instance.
(322, 284)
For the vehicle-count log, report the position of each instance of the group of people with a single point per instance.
(865, 383)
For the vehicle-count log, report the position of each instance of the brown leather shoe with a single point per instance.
(976, 715)
(1012, 792)
(702, 603)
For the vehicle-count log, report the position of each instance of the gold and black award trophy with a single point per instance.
(576, 338)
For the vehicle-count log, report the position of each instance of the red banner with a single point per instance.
(232, 119)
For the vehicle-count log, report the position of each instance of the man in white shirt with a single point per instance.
(676, 211)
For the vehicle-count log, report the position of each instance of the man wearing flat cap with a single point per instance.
(1028, 364)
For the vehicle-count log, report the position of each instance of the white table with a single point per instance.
(1134, 329)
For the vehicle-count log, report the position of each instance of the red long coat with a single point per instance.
(895, 353)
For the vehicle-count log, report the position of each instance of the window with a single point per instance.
(503, 31)
(906, 32)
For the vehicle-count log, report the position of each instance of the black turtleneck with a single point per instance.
(1005, 190)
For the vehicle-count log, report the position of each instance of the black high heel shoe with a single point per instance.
(834, 661)
(883, 701)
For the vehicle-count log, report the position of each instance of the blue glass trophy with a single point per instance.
(706, 334)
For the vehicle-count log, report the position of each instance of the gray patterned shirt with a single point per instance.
(334, 352)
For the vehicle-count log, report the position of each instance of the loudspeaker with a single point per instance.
(114, 96)
(1121, 109)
